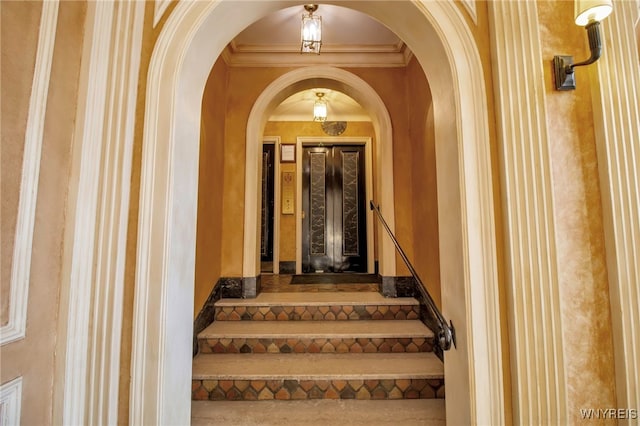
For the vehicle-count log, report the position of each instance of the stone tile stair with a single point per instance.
(317, 346)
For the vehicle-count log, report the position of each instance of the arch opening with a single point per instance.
(191, 40)
(280, 89)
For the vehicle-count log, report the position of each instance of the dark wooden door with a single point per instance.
(268, 166)
(334, 235)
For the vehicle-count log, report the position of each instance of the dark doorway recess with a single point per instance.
(334, 235)
(266, 223)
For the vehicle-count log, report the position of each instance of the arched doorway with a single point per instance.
(281, 88)
(191, 40)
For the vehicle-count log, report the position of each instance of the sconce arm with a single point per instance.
(563, 66)
(595, 45)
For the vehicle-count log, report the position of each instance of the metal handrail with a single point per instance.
(446, 333)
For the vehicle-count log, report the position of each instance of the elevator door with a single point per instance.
(334, 209)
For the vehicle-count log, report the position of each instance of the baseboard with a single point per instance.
(225, 287)
(398, 287)
(288, 267)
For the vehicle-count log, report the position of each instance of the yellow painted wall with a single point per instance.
(33, 357)
(244, 85)
(582, 269)
(423, 181)
(211, 185)
(18, 63)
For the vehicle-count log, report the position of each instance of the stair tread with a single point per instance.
(316, 329)
(425, 412)
(424, 365)
(318, 299)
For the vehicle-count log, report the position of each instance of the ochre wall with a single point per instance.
(424, 186)
(244, 85)
(390, 84)
(33, 357)
(211, 185)
(18, 62)
(582, 270)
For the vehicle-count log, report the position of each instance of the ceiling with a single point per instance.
(349, 39)
(299, 107)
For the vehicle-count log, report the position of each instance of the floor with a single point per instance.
(271, 283)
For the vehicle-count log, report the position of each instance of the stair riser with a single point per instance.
(317, 313)
(375, 389)
(316, 345)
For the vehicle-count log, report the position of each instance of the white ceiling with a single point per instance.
(349, 39)
(345, 32)
(299, 107)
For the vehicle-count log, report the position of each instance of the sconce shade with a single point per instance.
(311, 31)
(320, 108)
(592, 10)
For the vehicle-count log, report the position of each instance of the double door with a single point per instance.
(334, 209)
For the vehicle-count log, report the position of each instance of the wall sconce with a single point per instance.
(589, 13)
(320, 108)
(311, 31)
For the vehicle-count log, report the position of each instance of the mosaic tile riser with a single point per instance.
(316, 345)
(253, 390)
(317, 313)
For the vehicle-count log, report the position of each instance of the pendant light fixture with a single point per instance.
(320, 108)
(311, 30)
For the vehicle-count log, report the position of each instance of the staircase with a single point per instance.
(317, 358)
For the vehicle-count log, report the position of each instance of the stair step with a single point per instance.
(317, 376)
(319, 413)
(317, 336)
(317, 306)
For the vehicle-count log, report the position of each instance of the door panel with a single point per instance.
(350, 247)
(333, 202)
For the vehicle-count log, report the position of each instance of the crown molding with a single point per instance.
(378, 56)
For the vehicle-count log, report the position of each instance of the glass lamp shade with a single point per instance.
(592, 10)
(311, 34)
(320, 110)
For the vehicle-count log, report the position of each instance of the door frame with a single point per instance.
(303, 141)
(275, 141)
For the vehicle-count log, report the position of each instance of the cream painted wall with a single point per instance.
(33, 356)
(582, 269)
(18, 62)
